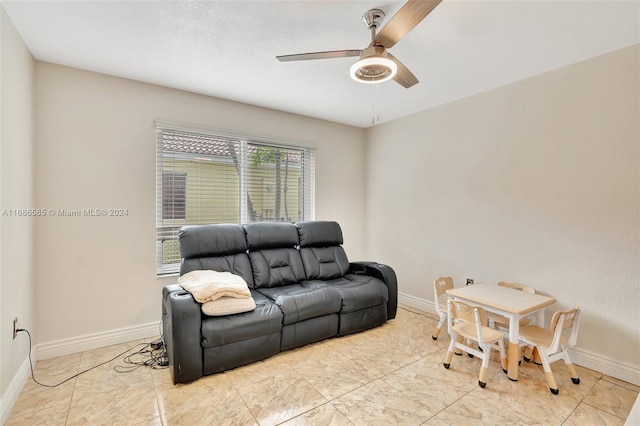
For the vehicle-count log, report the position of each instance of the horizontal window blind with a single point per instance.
(205, 178)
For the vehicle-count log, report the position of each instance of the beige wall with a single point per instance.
(95, 148)
(535, 182)
(16, 192)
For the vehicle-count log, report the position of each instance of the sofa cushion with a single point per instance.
(276, 267)
(322, 256)
(268, 235)
(356, 291)
(299, 303)
(265, 319)
(211, 240)
(237, 264)
(324, 263)
(219, 247)
(319, 234)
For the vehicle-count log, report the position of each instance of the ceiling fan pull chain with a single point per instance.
(373, 110)
(375, 104)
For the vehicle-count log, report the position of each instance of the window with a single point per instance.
(174, 195)
(210, 177)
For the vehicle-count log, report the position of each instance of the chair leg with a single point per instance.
(503, 357)
(435, 334)
(447, 359)
(528, 353)
(449, 355)
(438, 329)
(482, 379)
(458, 339)
(469, 343)
(572, 370)
(574, 375)
(551, 380)
(536, 356)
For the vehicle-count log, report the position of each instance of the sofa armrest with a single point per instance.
(181, 326)
(384, 273)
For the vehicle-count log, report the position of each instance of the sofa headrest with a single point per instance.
(319, 234)
(266, 235)
(211, 240)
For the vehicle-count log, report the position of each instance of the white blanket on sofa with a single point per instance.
(228, 306)
(206, 286)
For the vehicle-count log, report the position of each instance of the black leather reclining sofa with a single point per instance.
(304, 287)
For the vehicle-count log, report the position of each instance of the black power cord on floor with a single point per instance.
(153, 355)
(160, 359)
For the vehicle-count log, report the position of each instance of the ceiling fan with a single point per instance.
(376, 64)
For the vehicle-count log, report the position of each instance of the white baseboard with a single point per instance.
(13, 390)
(88, 342)
(416, 302)
(628, 372)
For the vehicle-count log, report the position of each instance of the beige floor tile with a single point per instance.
(364, 349)
(156, 421)
(334, 376)
(585, 414)
(57, 369)
(34, 397)
(622, 383)
(435, 421)
(279, 397)
(197, 418)
(101, 355)
(478, 408)
(415, 337)
(132, 407)
(531, 396)
(103, 396)
(583, 370)
(325, 415)
(611, 398)
(428, 382)
(52, 415)
(249, 374)
(377, 403)
(211, 400)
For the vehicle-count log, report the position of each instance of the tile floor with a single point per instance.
(392, 374)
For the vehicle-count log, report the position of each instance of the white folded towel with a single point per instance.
(228, 306)
(206, 286)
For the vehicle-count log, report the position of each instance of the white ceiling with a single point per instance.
(227, 49)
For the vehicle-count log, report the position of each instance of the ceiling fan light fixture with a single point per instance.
(373, 69)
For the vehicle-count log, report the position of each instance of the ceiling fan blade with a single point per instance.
(409, 15)
(319, 55)
(403, 77)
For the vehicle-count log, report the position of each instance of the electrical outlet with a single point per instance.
(15, 327)
(469, 281)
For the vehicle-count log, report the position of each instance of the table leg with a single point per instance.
(514, 348)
